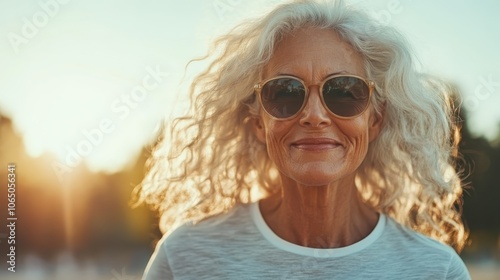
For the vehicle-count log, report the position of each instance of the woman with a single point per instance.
(313, 150)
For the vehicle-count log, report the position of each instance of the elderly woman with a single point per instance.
(313, 150)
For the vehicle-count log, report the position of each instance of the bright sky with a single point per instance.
(90, 80)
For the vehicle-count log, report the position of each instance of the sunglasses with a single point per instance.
(345, 96)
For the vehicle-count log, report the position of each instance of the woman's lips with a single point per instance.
(316, 144)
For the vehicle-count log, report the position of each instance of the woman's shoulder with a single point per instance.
(236, 217)
(407, 237)
(406, 241)
(411, 245)
(235, 222)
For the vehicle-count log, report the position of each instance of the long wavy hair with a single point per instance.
(209, 160)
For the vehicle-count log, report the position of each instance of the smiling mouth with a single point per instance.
(316, 144)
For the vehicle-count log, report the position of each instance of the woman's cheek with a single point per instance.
(278, 128)
(276, 142)
(358, 147)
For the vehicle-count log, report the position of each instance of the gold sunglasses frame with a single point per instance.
(258, 88)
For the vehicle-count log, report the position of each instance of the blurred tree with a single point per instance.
(482, 198)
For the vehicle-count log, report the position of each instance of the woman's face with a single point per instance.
(315, 147)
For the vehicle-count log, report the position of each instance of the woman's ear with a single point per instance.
(376, 123)
(259, 128)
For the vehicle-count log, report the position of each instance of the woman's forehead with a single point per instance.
(313, 54)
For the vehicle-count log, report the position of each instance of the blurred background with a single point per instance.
(84, 86)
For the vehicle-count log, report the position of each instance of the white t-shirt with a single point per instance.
(240, 245)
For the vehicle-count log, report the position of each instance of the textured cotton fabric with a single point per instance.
(240, 245)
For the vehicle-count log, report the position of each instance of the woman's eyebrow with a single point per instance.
(325, 76)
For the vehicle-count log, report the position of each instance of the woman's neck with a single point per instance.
(319, 216)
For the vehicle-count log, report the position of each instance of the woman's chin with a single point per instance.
(319, 176)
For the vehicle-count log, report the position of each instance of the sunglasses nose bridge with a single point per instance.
(315, 91)
(312, 84)
(314, 110)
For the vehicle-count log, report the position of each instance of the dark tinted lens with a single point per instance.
(283, 97)
(346, 96)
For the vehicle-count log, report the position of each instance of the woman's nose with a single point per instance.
(314, 113)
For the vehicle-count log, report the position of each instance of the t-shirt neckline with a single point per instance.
(314, 252)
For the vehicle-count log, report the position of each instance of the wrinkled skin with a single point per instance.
(317, 154)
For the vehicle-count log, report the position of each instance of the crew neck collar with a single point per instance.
(284, 245)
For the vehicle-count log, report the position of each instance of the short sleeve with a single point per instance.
(457, 269)
(158, 267)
